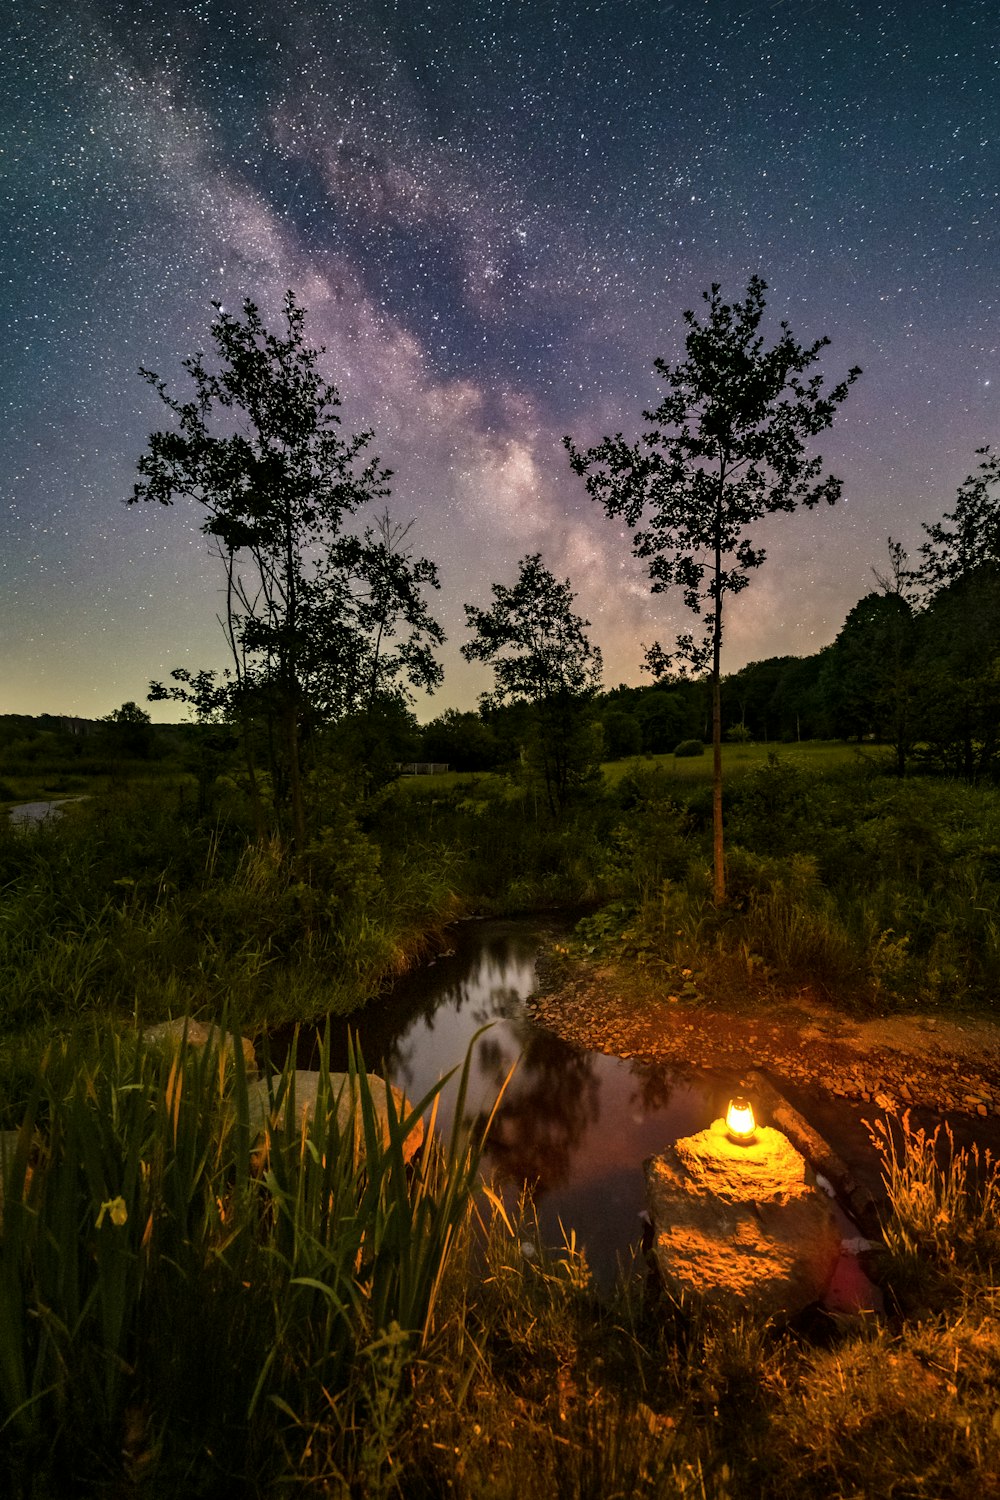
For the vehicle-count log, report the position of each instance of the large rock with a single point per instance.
(169, 1036)
(306, 1093)
(741, 1226)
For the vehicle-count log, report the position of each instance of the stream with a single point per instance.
(573, 1125)
(36, 812)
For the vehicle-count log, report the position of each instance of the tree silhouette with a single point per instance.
(727, 447)
(968, 537)
(319, 619)
(540, 655)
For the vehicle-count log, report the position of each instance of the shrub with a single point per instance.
(774, 808)
(688, 748)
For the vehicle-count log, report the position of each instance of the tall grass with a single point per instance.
(128, 906)
(872, 891)
(945, 1221)
(186, 1310)
(162, 1301)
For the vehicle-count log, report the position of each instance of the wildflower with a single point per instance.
(117, 1211)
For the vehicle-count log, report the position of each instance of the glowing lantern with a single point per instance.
(740, 1121)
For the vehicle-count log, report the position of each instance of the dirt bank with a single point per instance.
(836, 1069)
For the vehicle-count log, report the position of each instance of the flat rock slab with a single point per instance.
(741, 1227)
(347, 1106)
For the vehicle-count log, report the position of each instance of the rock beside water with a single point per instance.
(170, 1036)
(741, 1227)
(343, 1098)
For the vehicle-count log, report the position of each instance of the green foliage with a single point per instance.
(508, 855)
(172, 1323)
(770, 806)
(622, 734)
(877, 892)
(779, 699)
(462, 741)
(540, 655)
(652, 844)
(129, 732)
(688, 748)
(320, 620)
(667, 715)
(170, 1318)
(869, 675)
(727, 446)
(131, 905)
(968, 538)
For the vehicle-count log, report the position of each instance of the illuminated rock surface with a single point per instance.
(306, 1093)
(740, 1227)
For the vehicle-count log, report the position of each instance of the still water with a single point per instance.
(574, 1125)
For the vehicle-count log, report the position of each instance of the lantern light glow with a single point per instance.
(740, 1122)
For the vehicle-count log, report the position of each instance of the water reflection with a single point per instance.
(574, 1125)
(546, 1113)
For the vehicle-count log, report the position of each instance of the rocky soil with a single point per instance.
(838, 1070)
(945, 1063)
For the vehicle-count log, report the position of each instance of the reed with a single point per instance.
(160, 1300)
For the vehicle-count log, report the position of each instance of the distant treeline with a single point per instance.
(924, 680)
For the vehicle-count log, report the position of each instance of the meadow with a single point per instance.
(186, 1310)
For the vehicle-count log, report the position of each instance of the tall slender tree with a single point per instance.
(727, 446)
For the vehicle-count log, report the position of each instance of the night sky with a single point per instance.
(494, 215)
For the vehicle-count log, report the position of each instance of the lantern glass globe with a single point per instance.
(740, 1121)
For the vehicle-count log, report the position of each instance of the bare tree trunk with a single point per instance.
(256, 805)
(239, 667)
(718, 850)
(295, 778)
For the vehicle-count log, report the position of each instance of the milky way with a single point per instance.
(495, 215)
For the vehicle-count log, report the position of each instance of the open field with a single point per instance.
(816, 756)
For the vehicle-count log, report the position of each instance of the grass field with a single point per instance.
(820, 756)
(817, 756)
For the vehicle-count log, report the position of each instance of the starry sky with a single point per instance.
(494, 213)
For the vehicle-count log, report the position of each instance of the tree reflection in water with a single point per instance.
(551, 1102)
(574, 1125)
